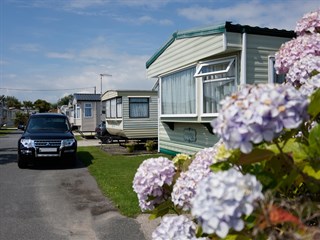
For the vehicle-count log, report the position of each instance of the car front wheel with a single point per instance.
(22, 163)
(72, 160)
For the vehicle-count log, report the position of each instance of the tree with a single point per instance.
(12, 101)
(21, 118)
(42, 105)
(28, 105)
(65, 100)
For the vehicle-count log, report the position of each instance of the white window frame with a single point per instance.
(77, 112)
(147, 104)
(119, 107)
(114, 108)
(160, 94)
(87, 106)
(199, 75)
(272, 71)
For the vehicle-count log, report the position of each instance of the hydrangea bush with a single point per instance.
(259, 113)
(151, 180)
(175, 227)
(262, 179)
(185, 186)
(221, 200)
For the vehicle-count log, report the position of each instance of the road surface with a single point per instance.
(52, 201)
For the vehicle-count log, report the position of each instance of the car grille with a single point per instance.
(47, 143)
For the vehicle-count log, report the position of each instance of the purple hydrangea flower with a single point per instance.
(310, 86)
(302, 70)
(296, 49)
(184, 188)
(149, 180)
(222, 198)
(309, 23)
(175, 228)
(259, 113)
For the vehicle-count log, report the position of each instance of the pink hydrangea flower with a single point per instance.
(175, 227)
(259, 113)
(303, 69)
(185, 186)
(150, 179)
(296, 49)
(309, 23)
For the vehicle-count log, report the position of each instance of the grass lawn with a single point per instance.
(114, 175)
(4, 131)
(78, 137)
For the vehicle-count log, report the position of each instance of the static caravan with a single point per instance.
(131, 114)
(197, 68)
(87, 112)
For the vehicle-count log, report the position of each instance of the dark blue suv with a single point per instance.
(47, 135)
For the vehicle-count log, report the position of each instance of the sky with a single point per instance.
(53, 48)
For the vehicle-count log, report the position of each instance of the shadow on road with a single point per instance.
(6, 158)
(55, 164)
(8, 155)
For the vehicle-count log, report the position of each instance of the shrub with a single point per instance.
(262, 180)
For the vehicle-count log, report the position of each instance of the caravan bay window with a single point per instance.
(114, 108)
(178, 93)
(218, 81)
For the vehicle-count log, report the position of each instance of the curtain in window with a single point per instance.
(214, 92)
(108, 109)
(113, 108)
(139, 107)
(219, 81)
(178, 93)
(119, 107)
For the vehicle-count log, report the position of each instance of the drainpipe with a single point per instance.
(243, 72)
(159, 110)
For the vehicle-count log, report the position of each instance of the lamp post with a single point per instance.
(102, 75)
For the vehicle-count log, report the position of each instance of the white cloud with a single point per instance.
(60, 55)
(255, 13)
(81, 4)
(153, 4)
(127, 70)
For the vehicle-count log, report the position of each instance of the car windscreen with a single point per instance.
(48, 124)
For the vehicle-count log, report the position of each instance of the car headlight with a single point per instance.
(67, 142)
(28, 143)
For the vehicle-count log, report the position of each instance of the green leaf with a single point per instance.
(312, 172)
(273, 148)
(297, 150)
(267, 180)
(278, 167)
(289, 180)
(236, 237)
(314, 142)
(257, 155)
(314, 108)
(220, 166)
(161, 210)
